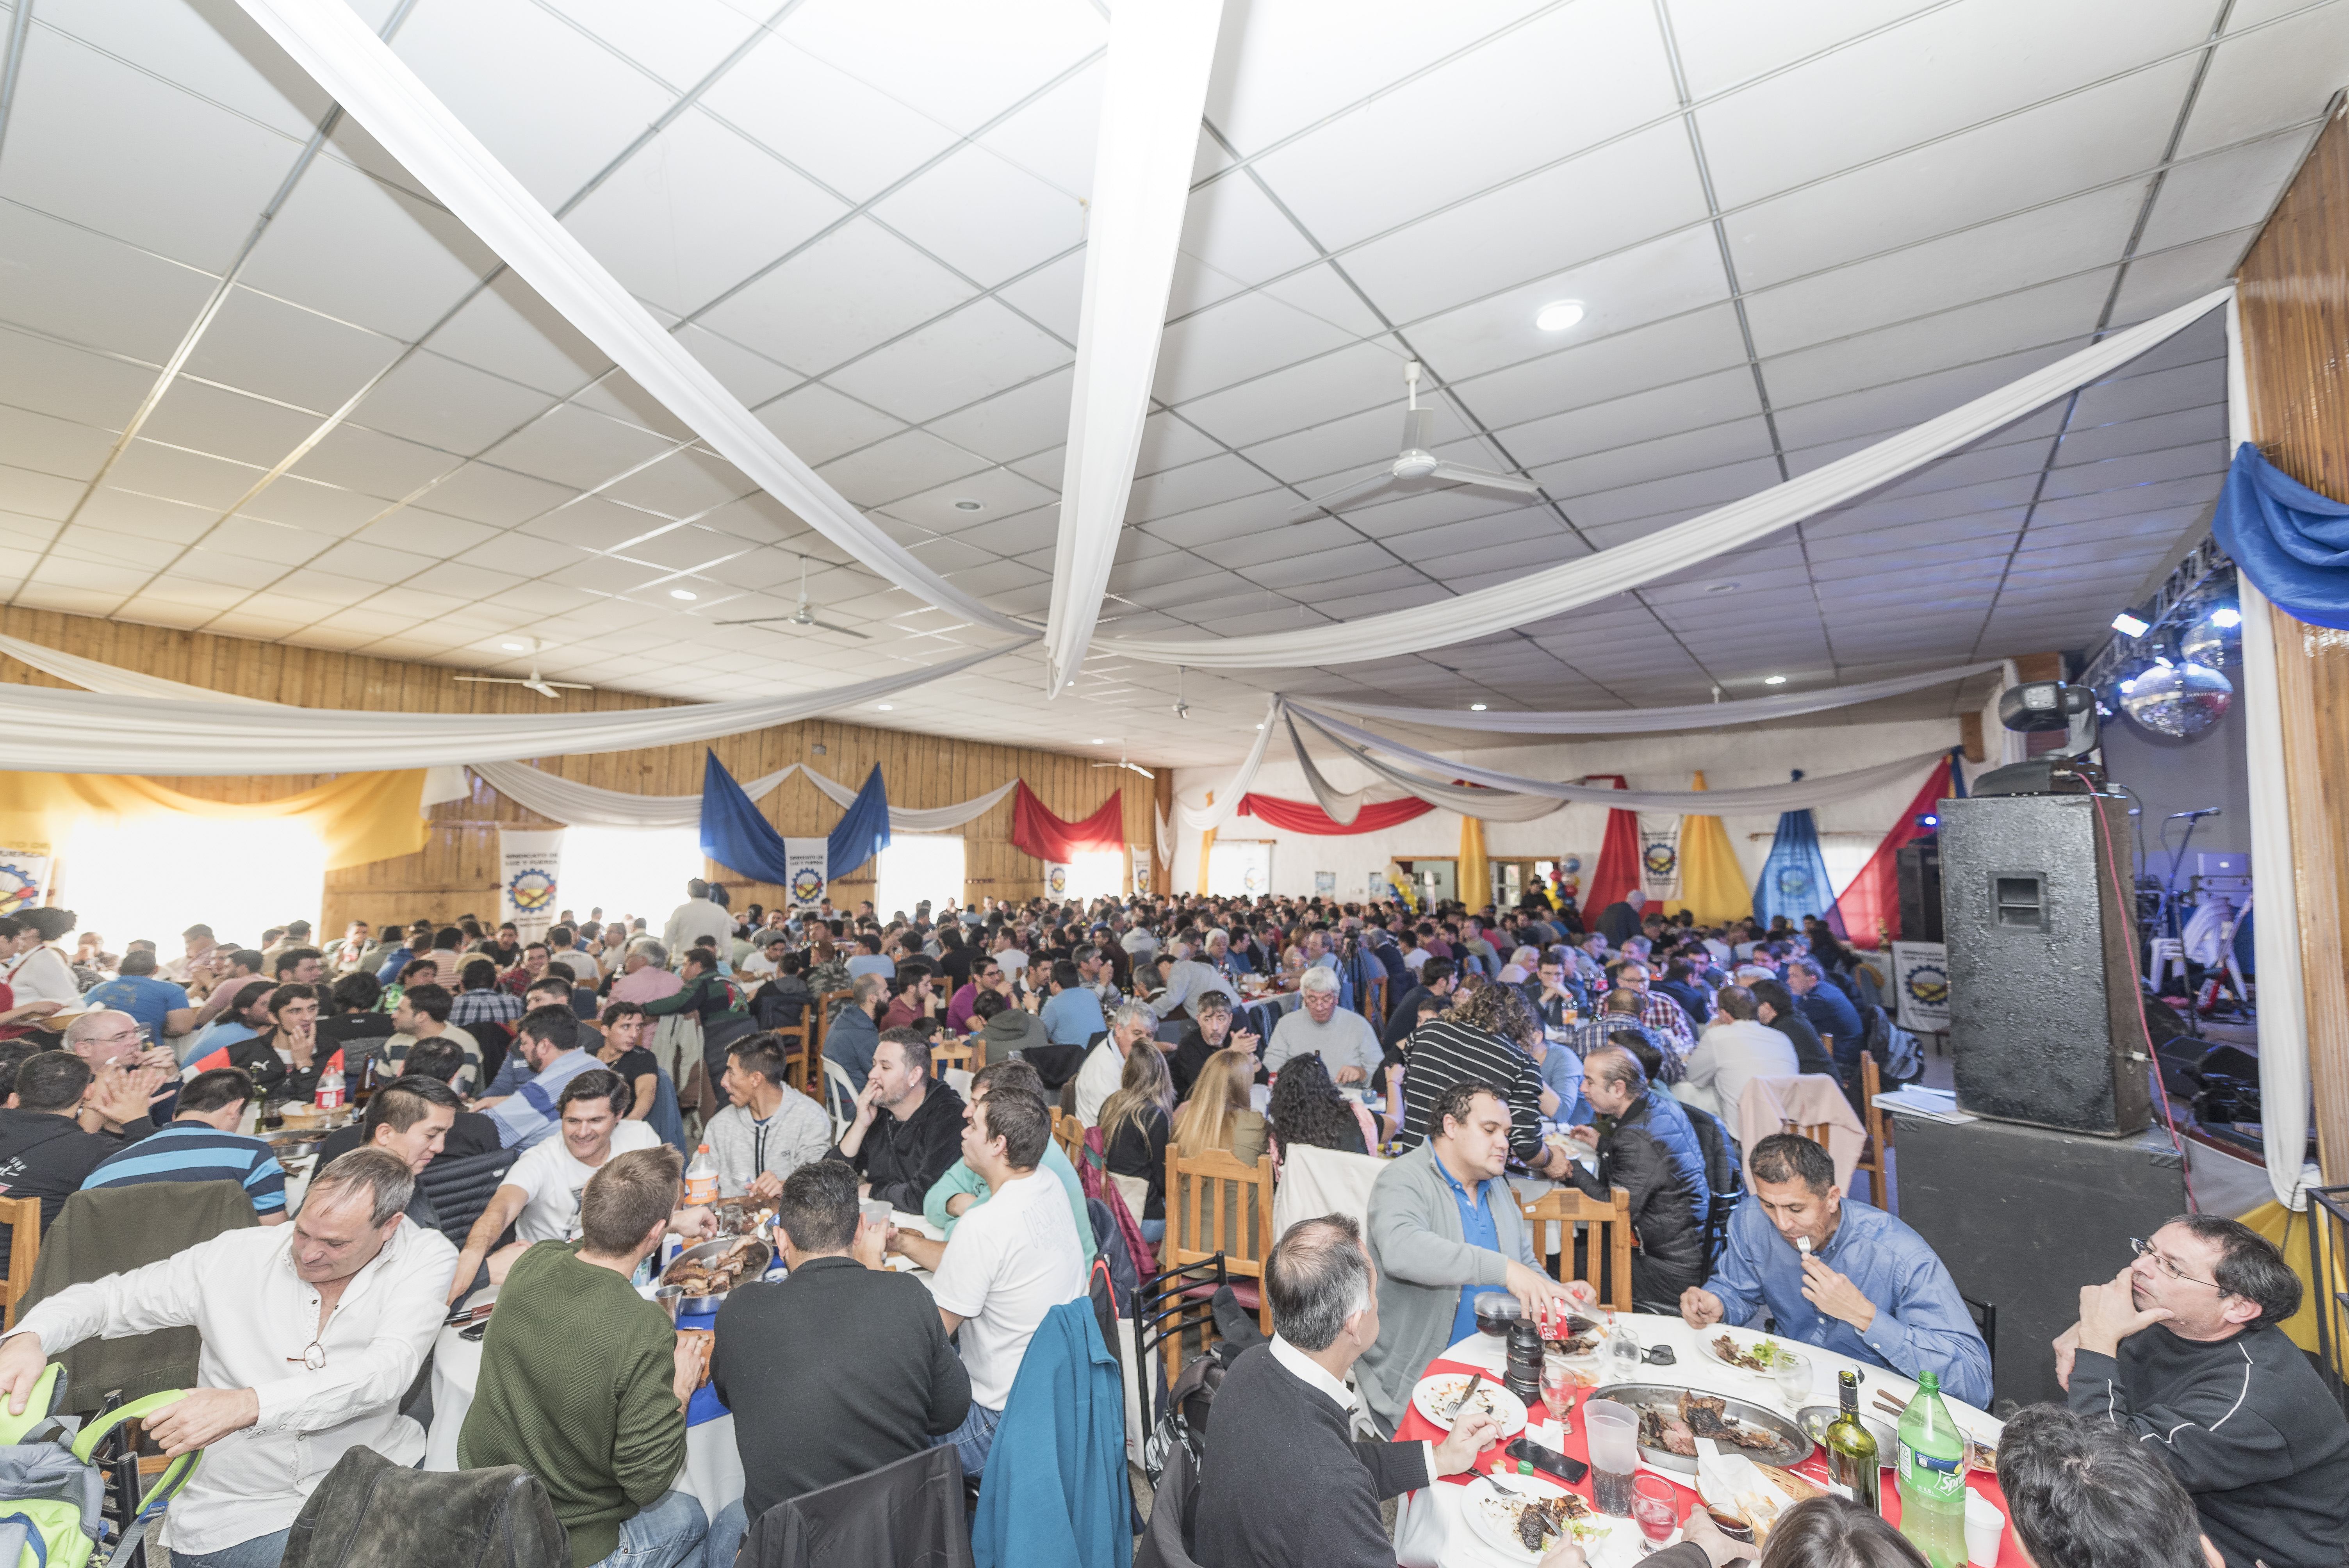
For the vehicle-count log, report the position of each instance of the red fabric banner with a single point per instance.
(1875, 893)
(1617, 872)
(1305, 817)
(1056, 841)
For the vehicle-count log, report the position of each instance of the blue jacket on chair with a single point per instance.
(1055, 1493)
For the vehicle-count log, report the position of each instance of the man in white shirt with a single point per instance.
(311, 1333)
(697, 917)
(1009, 956)
(1129, 1026)
(1737, 1048)
(540, 1196)
(1011, 1259)
(1349, 1046)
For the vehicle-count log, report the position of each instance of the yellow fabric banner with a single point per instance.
(360, 817)
(1475, 887)
(1713, 885)
(1206, 842)
(2288, 1231)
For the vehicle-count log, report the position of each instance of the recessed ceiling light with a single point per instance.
(1721, 587)
(1099, 741)
(969, 505)
(1774, 680)
(885, 707)
(1558, 314)
(513, 648)
(682, 593)
(1476, 708)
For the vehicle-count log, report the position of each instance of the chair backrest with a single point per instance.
(495, 1040)
(1215, 1204)
(1985, 1316)
(969, 1054)
(1374, 999)
(843, 1092)
(22, 1216)
(1874, 1159)
(1171, 1033)
(462, 1188)
(1716, 1229)
(1162, 1544)
(1168, 1306)
(1069, 1134)
(1315, 1181)
(799, 1050)
(1609, 1252)
(827, 1004)
(917, 1504)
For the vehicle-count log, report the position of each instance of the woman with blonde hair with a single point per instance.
(1135, 1123)
(1218, 1114)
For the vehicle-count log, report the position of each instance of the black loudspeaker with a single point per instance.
(1920, 867)
(2046, 1023)
(2023, 1217)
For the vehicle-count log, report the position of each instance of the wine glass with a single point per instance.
(1557, 1387)
(1655, 1509)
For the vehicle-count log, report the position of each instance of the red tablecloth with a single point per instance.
(1577, 1445)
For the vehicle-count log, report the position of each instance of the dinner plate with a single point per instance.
(1491, 1517)
(1434, 1395)
(1743, 1340)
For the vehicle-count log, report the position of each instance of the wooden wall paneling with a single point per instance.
(457, 870)
(2293, 302)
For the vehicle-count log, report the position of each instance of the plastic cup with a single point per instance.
(1985, 1526)
(877, 1211)
(1614, 1434)
(669, 1295)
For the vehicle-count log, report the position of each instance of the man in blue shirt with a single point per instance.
(1072, 1014)
(201, 1144)
(1868, 1287)
(1822, 1001)
(547, 1040)
(160, 1006)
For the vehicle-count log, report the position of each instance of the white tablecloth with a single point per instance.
(713, 1472)
(1429, 1531)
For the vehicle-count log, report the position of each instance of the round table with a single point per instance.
(1431, 1533)
(713, 1472)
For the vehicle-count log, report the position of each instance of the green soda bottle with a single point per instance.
(1931, 1473)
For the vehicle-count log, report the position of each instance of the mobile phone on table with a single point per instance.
(1547, 1460)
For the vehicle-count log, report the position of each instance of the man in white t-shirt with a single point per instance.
(540, 1196)
(1011, 1259)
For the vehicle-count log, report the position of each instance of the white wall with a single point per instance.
(1652, 762)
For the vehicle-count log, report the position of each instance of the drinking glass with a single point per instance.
(1558, 1386)
(1613, 1431)
(1653, 1505)
(1792, 1372)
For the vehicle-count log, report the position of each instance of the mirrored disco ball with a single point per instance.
(2216, 641)
(2181, 701)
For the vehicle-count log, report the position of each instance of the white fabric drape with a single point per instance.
(102, 731)
(1153, 90)
(1541, 595)
(1206, 818)
(1505, 794)
(579, 804)
(327, 39)
(2275, 930)
(1654, 721)
(1340, 807)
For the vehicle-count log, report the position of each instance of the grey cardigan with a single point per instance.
(1423, 1263)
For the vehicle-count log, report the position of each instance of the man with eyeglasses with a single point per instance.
(312, 1334)
(2183, 1349)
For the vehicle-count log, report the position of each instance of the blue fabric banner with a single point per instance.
(735, 835)
(1794, 880)
(2291, 542)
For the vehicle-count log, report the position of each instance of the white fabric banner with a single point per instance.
(1538, 595)
(108, 728)
(1154, 86)
(530, 878)
(25, 872)
(1057, 878)
(584, 805)
(1660, 856)
(327, 39)
(1139, 856)
(1654, 720)
(2275, 925)
(1920, 986)
(808, 863)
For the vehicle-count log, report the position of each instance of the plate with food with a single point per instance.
(1524, 1518)
(1440, 1397)
(710, 1270)
(1755, 1354)
(1672, 1419)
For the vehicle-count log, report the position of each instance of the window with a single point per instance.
(1240, 868)
(1097, 873)
(154, 877)
(917, 866)
(629, 872)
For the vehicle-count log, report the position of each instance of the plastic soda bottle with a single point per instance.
(701, 1187)
(330, 1089)
(1931, 1474)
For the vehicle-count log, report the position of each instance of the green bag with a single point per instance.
(52, 1496)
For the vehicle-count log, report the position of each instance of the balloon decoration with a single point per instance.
(2180, 701)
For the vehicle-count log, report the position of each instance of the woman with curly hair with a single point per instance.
(1489, 1036)
(1306, 1108)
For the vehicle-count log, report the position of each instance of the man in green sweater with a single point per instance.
(584, 1383)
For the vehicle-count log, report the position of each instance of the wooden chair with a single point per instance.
(22, 1216)
(823, 1007)
(799, 1055)
(969, 1054)
(1069, 1134)
(1876, 1156)
(1610, 1221)
(1215, 1204)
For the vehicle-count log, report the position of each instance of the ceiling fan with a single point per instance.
(535, 682)
(1129, 767)
(803, 616)
(1416, 461)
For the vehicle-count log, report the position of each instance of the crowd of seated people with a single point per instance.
(1454, 1051)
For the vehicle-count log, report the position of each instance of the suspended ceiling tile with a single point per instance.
(1720, 398)
(845, 294)
(904, 464)
(1052, 296)
(1235, 340)
(96, 292)
(680, 42)
(1590, 374)
(1233, 237)
(984, 216)
(2265, 77)
(272, 350)
(1906, 401)
(1666, 458)
(1177, 490)
(2168, 279)
(1001, 494)
(962, 67)
(507, 330)
(1726, 42)
(2154, 433)
(1322, 387)
(2054, 313)
(820, 423)
(969, 354)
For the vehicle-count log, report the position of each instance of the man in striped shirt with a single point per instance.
(201, 1144)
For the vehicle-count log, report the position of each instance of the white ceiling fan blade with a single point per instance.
(1138, 767)
(754, 621)
(1458, 475)
(493, 680)
(1322, 501)
(844, 631)
(542, 688)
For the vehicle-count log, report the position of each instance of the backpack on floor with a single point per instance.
(52, 1493)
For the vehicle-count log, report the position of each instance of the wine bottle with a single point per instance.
(1853, 1463)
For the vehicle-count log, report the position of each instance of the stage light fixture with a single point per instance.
(2128, 625)
(2225, 616)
